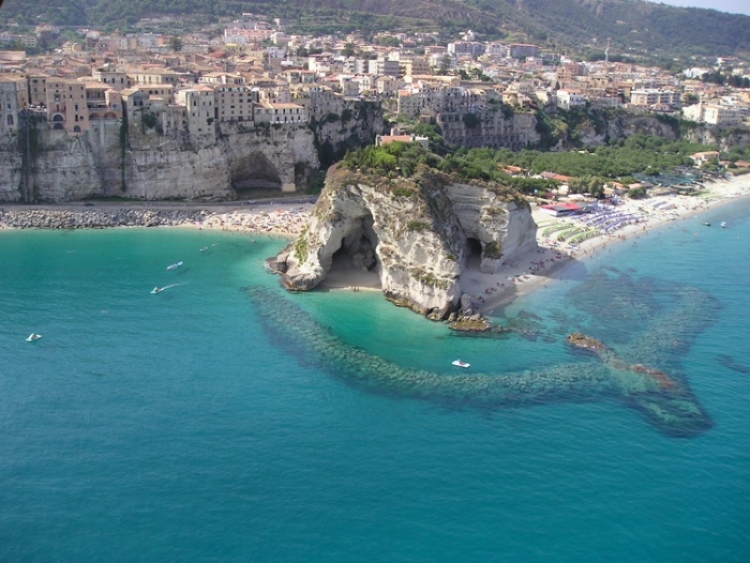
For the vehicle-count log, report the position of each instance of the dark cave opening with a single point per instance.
(254, 173)
(473, 253)
(356, 260)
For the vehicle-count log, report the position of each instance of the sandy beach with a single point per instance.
(522, 274)
(625, 222)
(279, 219)
(562, 241)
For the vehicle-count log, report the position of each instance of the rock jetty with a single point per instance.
(97, 218)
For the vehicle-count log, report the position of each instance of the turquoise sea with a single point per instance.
(226, 420)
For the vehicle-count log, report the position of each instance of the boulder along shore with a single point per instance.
(95, 218)
(273, 219)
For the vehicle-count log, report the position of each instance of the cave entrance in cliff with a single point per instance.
(355, 263)
(254, 175)
(473, 253)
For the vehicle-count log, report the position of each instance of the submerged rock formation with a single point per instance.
(673, 408)
(416, 233)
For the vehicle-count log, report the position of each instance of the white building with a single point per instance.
(280, 113)
(724, 116)
(567, 99)
(652, 96)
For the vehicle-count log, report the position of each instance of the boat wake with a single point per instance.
(158, 289)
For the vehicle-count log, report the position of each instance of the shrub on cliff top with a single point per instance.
(397, 157)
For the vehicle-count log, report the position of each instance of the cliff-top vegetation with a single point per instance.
(589, 170)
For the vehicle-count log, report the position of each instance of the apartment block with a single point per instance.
(13, 98)
(280, 113)
(66, 105)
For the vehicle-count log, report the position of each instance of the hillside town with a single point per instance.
(249, 72)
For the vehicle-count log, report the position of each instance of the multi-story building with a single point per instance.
(66, 105)
(724, 116)
(349, 87)
(521, 50)
(235, 103)
(496, 50)
(653, 96)
(13, 99)
(200, 109)
(567, 99)
(119, 80)
(466, 48)
(222, 78)
(384, 67)
(410, 103)
(567, 73)
(280, 113)
(102, 101)
(415, 66)
(149, 77)
(37, 89)
(164, 92)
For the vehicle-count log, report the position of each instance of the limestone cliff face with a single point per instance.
(594, 133)
(346, 125)
(417, 234)
(146, 165)
(724, 139)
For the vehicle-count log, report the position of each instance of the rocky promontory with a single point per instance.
(417, 233)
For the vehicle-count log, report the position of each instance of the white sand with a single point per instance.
(519, 274)
(522, 274)
(285, 220)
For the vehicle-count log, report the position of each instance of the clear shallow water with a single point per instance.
(177, 427)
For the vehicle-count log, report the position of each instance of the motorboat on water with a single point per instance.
(460, 363)
(175, 265)
(157, 290)
(33, 337)
(723, 224)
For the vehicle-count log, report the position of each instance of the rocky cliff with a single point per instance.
(346, 125)
(416, 233)
(592, 127)
(43, 165)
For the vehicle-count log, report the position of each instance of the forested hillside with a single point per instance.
(632, 27)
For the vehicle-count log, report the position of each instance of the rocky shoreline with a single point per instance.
(98, 218)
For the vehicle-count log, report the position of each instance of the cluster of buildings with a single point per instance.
(250, 72)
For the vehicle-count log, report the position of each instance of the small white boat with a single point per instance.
(460, 363)
(175, 265)
(723, 224)
(157, 290)
(33, 336)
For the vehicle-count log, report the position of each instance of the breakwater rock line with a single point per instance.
(671, 409)
(97, 218)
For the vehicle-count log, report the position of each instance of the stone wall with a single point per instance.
(97, 218)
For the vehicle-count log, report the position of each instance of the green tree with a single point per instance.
(175, 43)
(445, 64)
